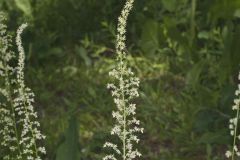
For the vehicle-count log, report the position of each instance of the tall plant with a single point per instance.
(124, 90)
(233, 126)
(19, 125)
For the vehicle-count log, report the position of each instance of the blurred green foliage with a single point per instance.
(186, 53)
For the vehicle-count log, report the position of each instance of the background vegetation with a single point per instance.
(186, 53)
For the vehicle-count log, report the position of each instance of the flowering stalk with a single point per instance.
(124, 91)
(18, 120)
(233, 126)
(30, 133)
(9, 132)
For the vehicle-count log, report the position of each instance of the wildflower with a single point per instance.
(18, 120)
(8, 125)
(30, 134)
(233, 126)
(124, 91)
(228, 154)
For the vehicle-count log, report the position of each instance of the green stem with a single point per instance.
(31, 128)
(235, 133)
(124, 110)
(124, 132)
(9, 89)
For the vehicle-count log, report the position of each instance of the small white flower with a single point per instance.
(238, 154)
(235, 148)
(235, 107)
(237, 93)
(228, 154)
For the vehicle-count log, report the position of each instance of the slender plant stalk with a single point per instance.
(233, 126)
(30, 133)
(10, 133)
(124, 90)
(19, 126)
(9, 89)
(20, 76)
(235, 134)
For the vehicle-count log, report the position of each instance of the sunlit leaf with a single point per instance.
(24, 6)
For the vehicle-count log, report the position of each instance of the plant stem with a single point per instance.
(9, 89)
(31, 126)
(124, 132)
(235, 133)
(124, 109)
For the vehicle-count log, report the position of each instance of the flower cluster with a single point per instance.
(124, 90)
(233, 126)
(8, 124)
(18, 120)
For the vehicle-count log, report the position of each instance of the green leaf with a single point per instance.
(203, 35)
(68, 150)
(82, 52)
(149, 38)
(170, 5)
(193, 75)
(24, 6)
(237, 13)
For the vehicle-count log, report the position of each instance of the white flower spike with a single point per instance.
(19, 128)
(233, 126)
(124, 90)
